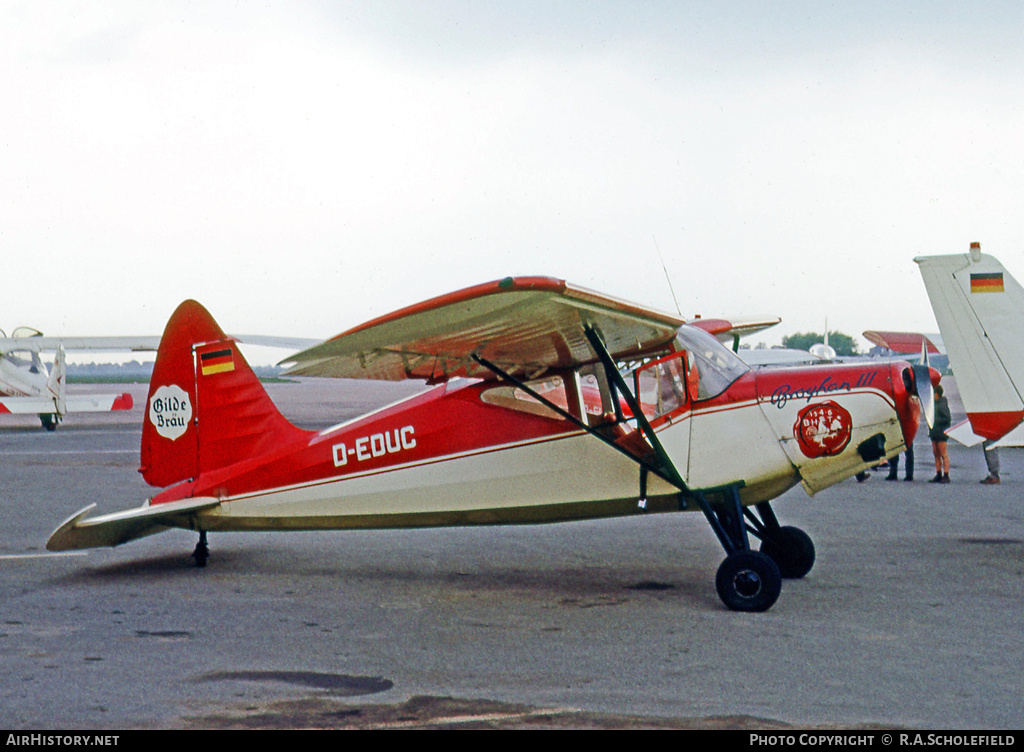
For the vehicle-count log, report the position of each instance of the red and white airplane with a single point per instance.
(551, 403)
(979, 308)
(27, 387)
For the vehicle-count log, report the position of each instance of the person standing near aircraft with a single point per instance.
(937, 434)
(894, 464)
(992, 461)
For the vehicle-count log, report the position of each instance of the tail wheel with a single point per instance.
(49, 421)
(202, 550)
(792, 550)
(748, 581)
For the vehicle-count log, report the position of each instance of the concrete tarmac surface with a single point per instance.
(911, 618)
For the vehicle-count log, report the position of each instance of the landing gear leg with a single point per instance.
(747, 580)
(202, 550)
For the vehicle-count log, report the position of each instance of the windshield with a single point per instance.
(717, 366)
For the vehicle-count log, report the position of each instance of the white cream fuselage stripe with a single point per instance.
(402, 466)
(520, 474)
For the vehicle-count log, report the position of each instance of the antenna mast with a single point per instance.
(667, 278)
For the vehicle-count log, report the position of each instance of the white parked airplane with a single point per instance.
(28, 387)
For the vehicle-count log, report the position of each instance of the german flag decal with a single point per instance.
(218, 361)
(987, 282)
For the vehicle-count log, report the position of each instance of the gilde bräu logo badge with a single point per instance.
(823, 430)
(170, 411)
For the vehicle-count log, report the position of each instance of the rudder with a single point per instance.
(206, 407)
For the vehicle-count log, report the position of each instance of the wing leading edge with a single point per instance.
(525, 325)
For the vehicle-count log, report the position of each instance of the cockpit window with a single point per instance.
(661, 386)
(553, 389)
(716, 366)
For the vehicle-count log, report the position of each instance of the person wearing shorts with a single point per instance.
(937, 434)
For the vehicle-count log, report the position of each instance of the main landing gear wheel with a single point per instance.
(792, 550)
(748, 581)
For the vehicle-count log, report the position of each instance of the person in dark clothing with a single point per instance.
(894, 464)
(937, 434)
(992, 461)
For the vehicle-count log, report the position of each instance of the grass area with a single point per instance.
(107, 380)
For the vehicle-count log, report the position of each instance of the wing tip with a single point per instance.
(63, 539)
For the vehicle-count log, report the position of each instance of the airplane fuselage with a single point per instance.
(485, 453)
(22, 378)
(571, 405)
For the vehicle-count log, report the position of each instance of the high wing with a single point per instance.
(906, 343)
(39, 344)
(48, 344)
(525, 325)
(730, 330)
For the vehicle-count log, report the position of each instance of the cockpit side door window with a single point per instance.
(661, 386)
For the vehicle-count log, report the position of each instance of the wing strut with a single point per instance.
(645, 464)
(726, 518)
(662, 464)
(669, 471)
(726, 521)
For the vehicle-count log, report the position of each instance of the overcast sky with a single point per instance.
(300, 167)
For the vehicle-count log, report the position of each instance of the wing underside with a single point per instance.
(525, 325)
(40, 344)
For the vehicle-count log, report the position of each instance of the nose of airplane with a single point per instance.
(906, 394)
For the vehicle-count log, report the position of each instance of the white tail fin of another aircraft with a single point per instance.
(979, 308)
(57, 382)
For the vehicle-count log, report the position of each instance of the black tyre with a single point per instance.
(748, 581)
(792, 550)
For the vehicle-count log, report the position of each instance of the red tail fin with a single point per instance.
(206, 407)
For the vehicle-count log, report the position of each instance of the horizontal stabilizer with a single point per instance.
(98, 403)
(76, 403)
(27, 405)
(80, 531)
(964, 434)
